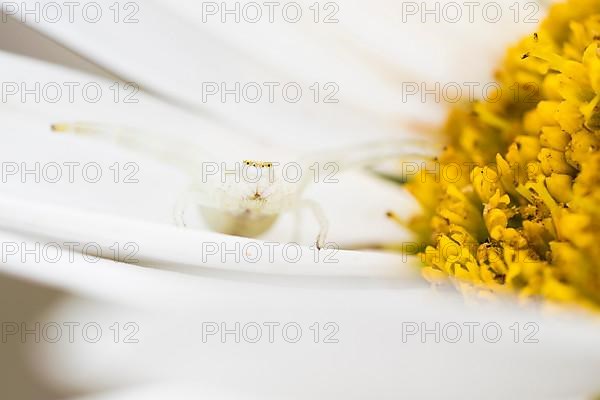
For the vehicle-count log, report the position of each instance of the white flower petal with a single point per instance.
(193, 251)
(371, 325)
(444, 41)
(190, 57)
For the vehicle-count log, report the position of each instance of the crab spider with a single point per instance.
(245, 197)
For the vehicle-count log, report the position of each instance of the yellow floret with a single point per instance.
(525, 217)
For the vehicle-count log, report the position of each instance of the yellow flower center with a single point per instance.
(523, 214)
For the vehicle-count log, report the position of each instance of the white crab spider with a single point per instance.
(247, 196)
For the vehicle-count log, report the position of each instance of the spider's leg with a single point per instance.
(191, 196)
(368, 154)
(179, 209)
(173, 149)
(321, 220)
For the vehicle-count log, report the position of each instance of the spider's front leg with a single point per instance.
(319, 215)
(192, 195)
